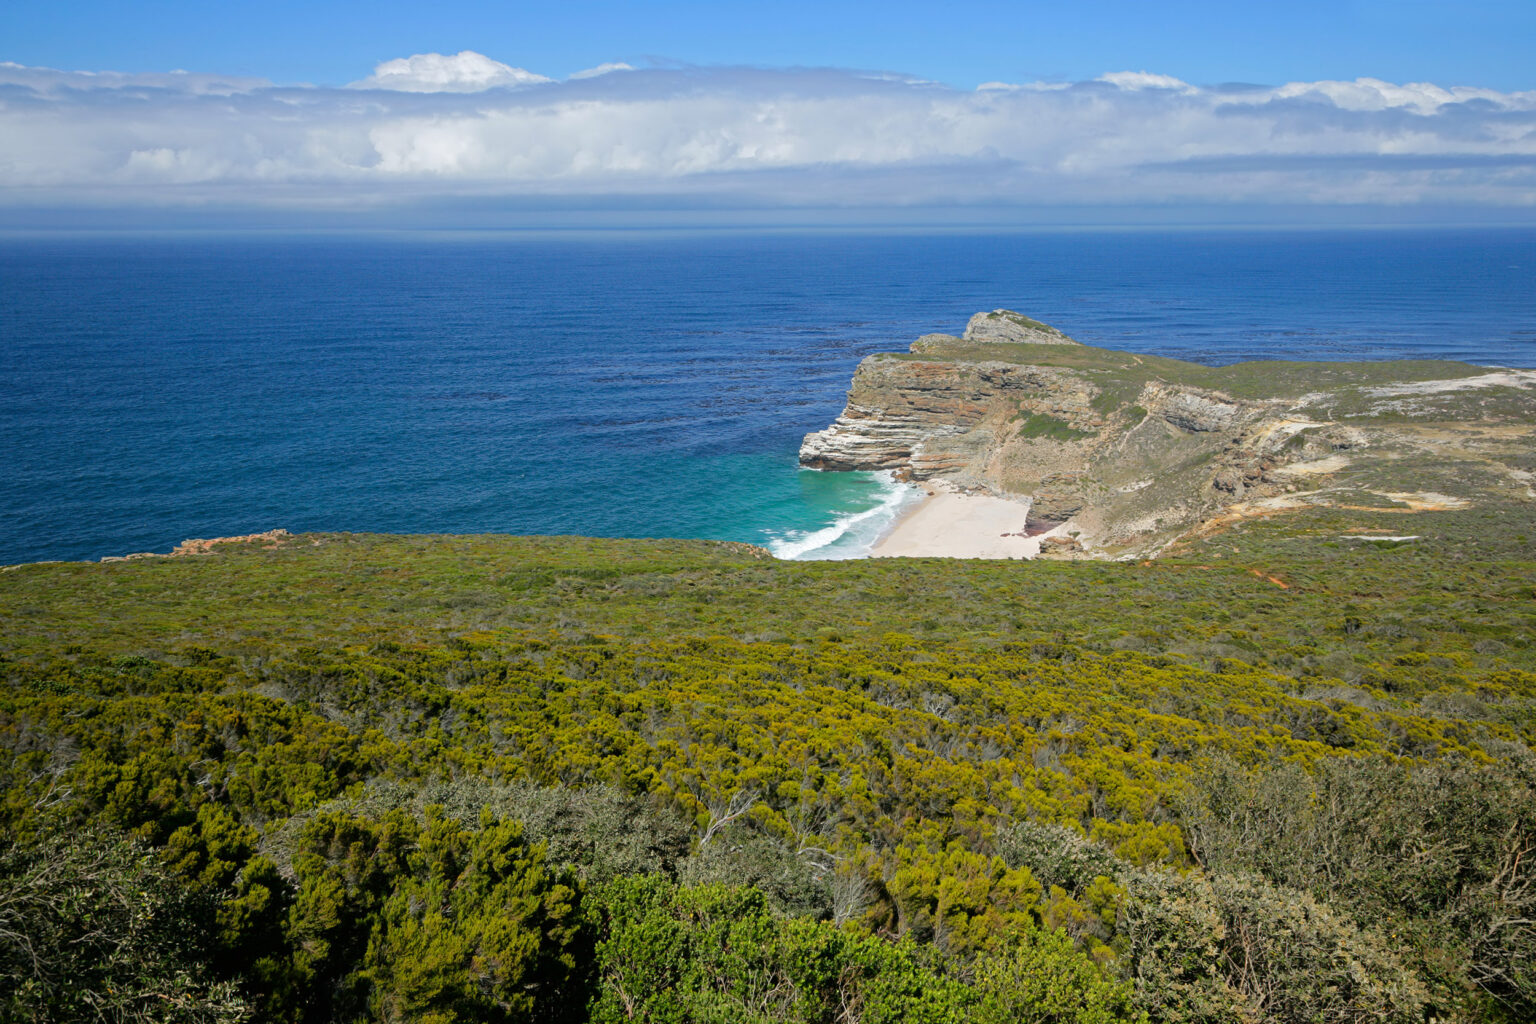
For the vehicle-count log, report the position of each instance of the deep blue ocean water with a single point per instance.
(159, 388)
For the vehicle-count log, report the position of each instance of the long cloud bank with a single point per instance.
(446, 126)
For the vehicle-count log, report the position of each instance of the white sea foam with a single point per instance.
(853, 534)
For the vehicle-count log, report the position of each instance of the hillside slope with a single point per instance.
(1284, 774)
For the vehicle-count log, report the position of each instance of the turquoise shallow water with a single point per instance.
(645, 385)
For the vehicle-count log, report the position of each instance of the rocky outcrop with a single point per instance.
(1134, 451)
(1196, 412)
(1004, 326)
(203, 546)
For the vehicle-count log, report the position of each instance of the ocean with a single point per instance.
(645, 384)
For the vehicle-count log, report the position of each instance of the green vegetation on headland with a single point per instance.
(1283, 775)
(1265, 378)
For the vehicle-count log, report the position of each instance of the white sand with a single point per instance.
(952, 524)
(1500, 379)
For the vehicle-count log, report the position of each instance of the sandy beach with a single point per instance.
(951, 523)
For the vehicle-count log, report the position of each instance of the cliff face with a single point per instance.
(1136, 450)
(927, 417)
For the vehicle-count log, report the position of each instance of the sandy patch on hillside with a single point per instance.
(1522, 478)
(1408, 501)
(1424, 501)
(1498, 379)
(1283, 430)
(1330, 464)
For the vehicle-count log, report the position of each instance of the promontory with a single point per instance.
(1123, 455)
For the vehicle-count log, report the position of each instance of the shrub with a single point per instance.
(431, 923)
(1445, 852)
(92, 927)
(1045, 979)
(668, 955)
(1234, 948)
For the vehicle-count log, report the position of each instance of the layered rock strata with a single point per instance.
(1136, 451)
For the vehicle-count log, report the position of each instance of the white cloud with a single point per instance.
(603, 69)
(465, 71)
(1136, 80)
(432, 126)
(50, 80)
(1374, 94)
(1022, 87)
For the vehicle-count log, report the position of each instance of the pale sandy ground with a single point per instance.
(952, 524)
(1499, 379)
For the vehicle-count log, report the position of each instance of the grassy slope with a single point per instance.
(1464, 592)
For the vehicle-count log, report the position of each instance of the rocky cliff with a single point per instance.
(1138, 451)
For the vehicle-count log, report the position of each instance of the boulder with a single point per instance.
(1229, 480)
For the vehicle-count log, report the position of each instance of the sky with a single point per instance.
(580, 112)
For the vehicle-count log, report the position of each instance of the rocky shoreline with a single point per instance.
(1125, 454)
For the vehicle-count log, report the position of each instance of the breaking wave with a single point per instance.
(850, 534)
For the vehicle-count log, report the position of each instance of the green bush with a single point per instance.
(677, 955)
(93, 928)
(1236, 948)
(1043, 978)
(1443, 853)
(434, 922)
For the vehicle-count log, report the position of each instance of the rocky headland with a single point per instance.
(1123, 455)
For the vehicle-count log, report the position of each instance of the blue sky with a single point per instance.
(1451, 42)
(1102, 111)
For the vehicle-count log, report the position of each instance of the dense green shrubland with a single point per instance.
(1285, 777)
